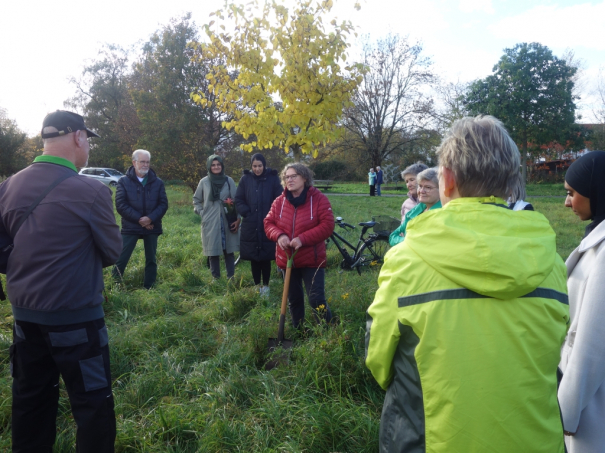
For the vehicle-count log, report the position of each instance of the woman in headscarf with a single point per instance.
(582, 388)
(214, 202)
(255, 194)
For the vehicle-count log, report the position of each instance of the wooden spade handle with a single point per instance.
(284, 301)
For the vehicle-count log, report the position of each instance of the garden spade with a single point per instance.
(280, 343)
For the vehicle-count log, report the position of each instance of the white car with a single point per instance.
(107, 176)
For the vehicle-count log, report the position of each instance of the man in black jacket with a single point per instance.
(55, 286)
(141, 201)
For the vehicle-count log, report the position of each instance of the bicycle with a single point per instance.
(370, 250)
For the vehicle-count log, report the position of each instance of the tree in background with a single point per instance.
(103, 98)
(11, 139)
(180, 133)
(452, 96)
(531, 92)
(390, 109)
(290, 87)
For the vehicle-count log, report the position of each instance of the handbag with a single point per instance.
(7, 242)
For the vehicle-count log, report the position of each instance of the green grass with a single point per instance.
(187, 356)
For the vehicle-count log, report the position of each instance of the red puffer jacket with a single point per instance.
(312, 223)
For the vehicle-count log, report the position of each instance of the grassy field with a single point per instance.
(354, 187)
(187, 356)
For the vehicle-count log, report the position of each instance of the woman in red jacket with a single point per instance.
(301, 219)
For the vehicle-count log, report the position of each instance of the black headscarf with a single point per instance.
(260, 158)
(216, 181)
(587, 177)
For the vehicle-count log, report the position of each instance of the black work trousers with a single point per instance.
(314, 280)
(80, 354)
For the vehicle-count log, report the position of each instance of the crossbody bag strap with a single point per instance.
(40, 198)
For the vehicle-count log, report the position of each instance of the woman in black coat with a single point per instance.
(255, 194)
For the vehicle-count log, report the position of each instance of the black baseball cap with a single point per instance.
(65, 122)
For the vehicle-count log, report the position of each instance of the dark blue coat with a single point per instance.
(134, 201)
(253, 199)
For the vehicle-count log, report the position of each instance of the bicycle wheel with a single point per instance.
(372, 253)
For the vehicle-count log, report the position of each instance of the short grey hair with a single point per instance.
(484, 159)
(300, 169)
(413, 169)
(430, 174)
(135, 155)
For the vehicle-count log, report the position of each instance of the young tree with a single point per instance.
(390, 107)
(531, 92)
(289, 87)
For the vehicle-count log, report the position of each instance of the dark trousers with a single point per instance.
(378, 190)
(314, 280)
(129, 242)
(215, 265)
(372, 191)
(80, 354)
(261, 267)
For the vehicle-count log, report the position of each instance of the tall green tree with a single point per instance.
(180, 133)
(11, 139)
(102, 95)
(531, 92)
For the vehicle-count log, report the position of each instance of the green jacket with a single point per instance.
(395, 237)
(465, 332)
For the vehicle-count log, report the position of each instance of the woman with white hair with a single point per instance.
(409, 176)
(428, 198)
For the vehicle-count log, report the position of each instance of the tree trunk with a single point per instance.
(297, 152)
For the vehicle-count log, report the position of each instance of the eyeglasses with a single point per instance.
(426, 188)
(144, 162)
(291, 177)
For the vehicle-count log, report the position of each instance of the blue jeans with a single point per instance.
(378, 189)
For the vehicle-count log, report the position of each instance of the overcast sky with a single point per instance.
(43, 44)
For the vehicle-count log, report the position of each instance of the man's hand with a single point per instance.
(283, 241)
(144, 221)
(296, 243)
(149, 227)
(235, 225)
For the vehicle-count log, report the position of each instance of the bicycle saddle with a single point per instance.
(369, 224)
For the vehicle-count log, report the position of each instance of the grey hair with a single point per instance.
(484, 159)
(300, 169)
(413, 169)
(430, 174)
(517, 192)
(140, 151)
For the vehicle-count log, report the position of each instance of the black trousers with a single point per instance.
(314, 280)
(129, 242)
(80, 354)
(261, 268)
(372, 191)
(215, 265)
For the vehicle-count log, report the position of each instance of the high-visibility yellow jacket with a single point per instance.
(465, 332)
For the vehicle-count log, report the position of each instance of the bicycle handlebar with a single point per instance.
(344, 225)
